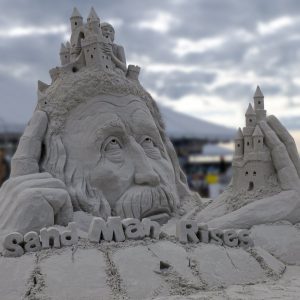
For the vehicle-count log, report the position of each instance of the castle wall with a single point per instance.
(252, 176)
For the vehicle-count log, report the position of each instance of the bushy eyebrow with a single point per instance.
(113, 127)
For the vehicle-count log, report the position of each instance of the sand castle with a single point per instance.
(252, 163)
(91, 45)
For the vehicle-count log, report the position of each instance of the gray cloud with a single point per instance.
(249, 46)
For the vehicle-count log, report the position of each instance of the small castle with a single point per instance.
(87, 49)
(252, 164)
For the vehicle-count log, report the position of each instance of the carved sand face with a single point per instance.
(108, 31)
(115, 142)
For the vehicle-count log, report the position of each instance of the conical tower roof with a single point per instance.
(75, 14)
(250, 110)
(258, 93)
(239, 134)
(63, 49)
(257, 131)
(93, 15)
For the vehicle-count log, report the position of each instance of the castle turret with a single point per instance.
(93, 21)
(133, 72)
(64, 54)
(248, 130)
(76, 19)
(258, 139)
(250, 117)
(239, 143)
(259, 105)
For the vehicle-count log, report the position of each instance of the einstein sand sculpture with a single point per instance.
(95, 158)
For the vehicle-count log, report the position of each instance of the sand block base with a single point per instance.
(282, 241)
(220, 267)
(268, 262)
(137, 267)
(83, 277)
(177, 258)
(15, 272)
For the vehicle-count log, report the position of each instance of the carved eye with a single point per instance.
(150, 148)
(147, 142)
(113, 144)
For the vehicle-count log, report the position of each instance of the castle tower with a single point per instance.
(239, 143)
(76, 19)
(258, 139)
(248, 130)
(93, 21)
(91, 48)
(259, 105)
(64, 54)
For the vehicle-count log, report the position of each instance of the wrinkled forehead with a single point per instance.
(130, 110)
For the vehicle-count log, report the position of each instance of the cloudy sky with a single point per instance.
(201, 57)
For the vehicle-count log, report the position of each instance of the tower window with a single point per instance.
(75, 23)
(92, 56)
(250, 120)
(106, 66)
(94, 48)
(74, 69)
(248, 144)
(254, 173)
(88, 50)
(239, 145)
(259, 102)
(246, 173)
(258, 141)
(66, 56)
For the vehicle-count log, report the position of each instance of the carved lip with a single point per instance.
(155, 212)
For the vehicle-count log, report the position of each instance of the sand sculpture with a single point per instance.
(96, 143)
(95, 152)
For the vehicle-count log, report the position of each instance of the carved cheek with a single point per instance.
(112, 179)
(165, 170)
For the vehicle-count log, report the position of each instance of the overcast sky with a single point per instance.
(204, 58)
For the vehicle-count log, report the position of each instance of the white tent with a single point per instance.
(178, 125)
(182, 126)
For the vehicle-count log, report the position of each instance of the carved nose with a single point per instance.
(149, 178)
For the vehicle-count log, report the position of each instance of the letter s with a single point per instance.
(216, 236)
(11, 245)
(244, 238)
